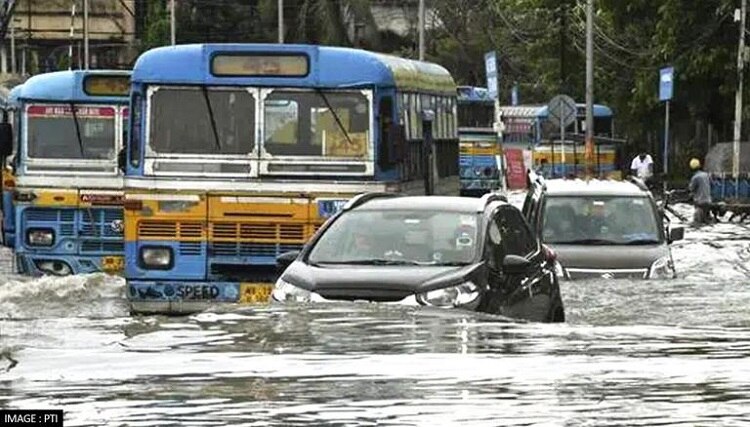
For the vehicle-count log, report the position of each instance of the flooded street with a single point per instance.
(631, 353)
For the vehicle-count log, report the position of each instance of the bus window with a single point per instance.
(54, 132)
(329, 124)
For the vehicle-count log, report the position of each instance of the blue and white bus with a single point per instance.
(65, 216)
(239, 153)
(481, 151)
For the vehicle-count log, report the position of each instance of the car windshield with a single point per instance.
(398, 237)
(53, 132)
(600, 220)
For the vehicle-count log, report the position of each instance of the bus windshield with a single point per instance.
(54, 131)
(194, 120)
(316, 123)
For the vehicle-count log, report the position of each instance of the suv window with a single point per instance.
(509, 234)
(615, 220)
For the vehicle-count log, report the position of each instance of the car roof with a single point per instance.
(593, 187)
(426, 203)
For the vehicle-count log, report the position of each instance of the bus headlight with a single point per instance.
(453, 296)
(57, 268)
(40, 237)
(158, 258)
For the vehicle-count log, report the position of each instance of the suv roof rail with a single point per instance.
(638, 182)
(535, 178)
(490, 197)
(363, 198)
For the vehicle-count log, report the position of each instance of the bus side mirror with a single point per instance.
(6, 139)
(121, 159)
(391, 146)
(399, 143)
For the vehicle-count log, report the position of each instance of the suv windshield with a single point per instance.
(600, 220)
(396, 236)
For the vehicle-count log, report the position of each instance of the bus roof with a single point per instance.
(541, 111)
(63, 86)
(329, 67)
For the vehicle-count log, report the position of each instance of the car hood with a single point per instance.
(379, 283)
(605, 257)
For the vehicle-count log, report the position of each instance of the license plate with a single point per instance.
(113, 264)
(255, 293)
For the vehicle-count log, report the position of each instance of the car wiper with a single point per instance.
(450, 263)
(78, 129)
(586, 242)
(335, 115)
(211, 116)
(641, 242)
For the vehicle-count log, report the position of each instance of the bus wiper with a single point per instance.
(335, 115)
(211, 116)
(78, 129)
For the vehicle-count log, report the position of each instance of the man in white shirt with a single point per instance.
(642, 166)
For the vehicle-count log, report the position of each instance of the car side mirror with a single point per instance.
(286, 259)
(514, 264)
(6, 139)
(676, 233)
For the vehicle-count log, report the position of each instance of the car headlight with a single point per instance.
(284, 291)
(454, 296)
(156, 257)
(662, 268)
(40, 237)
(560, 270)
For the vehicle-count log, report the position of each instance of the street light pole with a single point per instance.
(738, 98)
(421, 30)
(86, 34)
(281, 21)
(589, 84)
(172, 23)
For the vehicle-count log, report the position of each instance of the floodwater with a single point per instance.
(631, 353)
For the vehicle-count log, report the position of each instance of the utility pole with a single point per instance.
(86, 34)
(72, 33)
(172, 22)
(590, 85)
(13, 67)
(738, 100)
(421, 30)
(281, 21)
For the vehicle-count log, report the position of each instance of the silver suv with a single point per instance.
(602, 228)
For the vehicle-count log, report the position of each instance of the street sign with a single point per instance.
(666, 83)
(490, 66)
(562, 110)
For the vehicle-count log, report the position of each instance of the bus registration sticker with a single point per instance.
(329, 208)
(255, 293)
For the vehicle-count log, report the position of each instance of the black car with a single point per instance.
(602, 228)
(476, 254)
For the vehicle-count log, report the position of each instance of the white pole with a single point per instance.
(421, 30)
(72, 33)
(738, 99)
(281, 21)
(86, 34)
(14, 68)
(589, 85)
(172, 22)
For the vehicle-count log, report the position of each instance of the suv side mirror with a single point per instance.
(676, 233)
(284, 260)
(514, 264)
(6, 139)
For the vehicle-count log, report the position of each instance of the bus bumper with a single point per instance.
(64, 265)
(176, 297)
